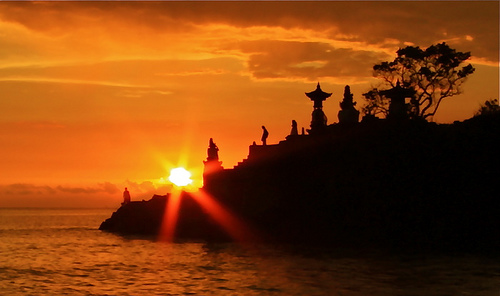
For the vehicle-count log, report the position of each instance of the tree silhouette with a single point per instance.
(434, 74)
(375, 104)
(489, 107)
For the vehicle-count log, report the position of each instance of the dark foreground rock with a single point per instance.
(148, 219)
(137, 217)
(418, 185)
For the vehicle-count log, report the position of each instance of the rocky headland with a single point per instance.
(377, 183)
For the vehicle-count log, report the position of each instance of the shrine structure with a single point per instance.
(319, 119)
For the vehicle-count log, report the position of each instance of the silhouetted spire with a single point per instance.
(348, 114)
(319, 120)
(318, 96)
(398, 109)
(212, 151)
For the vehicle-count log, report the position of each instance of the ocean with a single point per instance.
(62, 252)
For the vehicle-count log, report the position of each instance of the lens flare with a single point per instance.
(180, 177)
(235, 227)
(167, 232)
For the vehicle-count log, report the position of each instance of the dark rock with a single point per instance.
(411, 184)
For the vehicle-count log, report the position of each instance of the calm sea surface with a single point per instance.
(61, 252)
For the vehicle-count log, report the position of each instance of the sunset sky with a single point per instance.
(96, 96)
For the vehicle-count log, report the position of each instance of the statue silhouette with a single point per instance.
(212, 151)
(126, 196)
(212, 164)
(265, 134)
(294, 131)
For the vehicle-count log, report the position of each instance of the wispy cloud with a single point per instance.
(173, 30)
(89, 88)
(100, 195)
(32, 189)
(70, 81)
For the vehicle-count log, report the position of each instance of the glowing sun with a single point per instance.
(180, 177)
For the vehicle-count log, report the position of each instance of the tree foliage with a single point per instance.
(375, 104)
(434, 74)
(489, 107)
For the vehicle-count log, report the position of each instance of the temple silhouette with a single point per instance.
(392, 183)
(348, 116)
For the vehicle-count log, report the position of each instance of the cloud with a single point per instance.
(124, 73)
(311, 60)
(125, 78)
(32, 189)
(37, 125)
(68, 81)
(26, 189)
(194, 29)
(100, 195)
(31, 195)
(106, 187)
(146, 189)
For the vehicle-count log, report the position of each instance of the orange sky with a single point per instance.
(98, 96)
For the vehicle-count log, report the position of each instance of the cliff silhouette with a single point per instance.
(395, 183)
(376, 183)
(406, 183)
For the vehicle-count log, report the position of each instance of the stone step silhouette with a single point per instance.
(241, 163)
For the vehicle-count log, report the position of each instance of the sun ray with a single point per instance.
(171, 216)
(235, 227)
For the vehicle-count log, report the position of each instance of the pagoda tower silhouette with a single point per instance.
(319, 120)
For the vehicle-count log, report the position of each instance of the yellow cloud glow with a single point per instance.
(124, 91)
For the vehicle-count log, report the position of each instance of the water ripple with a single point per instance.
(75, 259)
